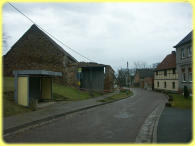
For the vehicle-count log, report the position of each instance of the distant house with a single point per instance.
(144, 78)
(184, 62)
(166, 77)
(35, 50)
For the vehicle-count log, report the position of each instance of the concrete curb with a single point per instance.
(155, 130)
(148, 131)
(49, 119)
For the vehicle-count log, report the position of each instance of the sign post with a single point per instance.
(79, 78)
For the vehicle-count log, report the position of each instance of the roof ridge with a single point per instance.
(168, 62)
(186, 39)
(35, 27)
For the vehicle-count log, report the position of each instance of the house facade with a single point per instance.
(184, 62)
(166, 77)
(144, 78)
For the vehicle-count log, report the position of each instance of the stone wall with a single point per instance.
(36, 51)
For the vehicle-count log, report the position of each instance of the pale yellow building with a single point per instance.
(166, 76)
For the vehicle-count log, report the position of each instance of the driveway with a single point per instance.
(115, 122)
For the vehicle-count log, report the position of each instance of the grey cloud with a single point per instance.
(110, 33)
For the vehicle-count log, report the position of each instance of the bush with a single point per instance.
(186, 92)
(170, 97)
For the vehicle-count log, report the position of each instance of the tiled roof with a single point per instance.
(185, 40)
(168, 63)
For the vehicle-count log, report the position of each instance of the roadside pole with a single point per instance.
(79, 79)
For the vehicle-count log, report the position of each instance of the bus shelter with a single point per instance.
(33, 85)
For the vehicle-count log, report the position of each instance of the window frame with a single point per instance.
(182, 53)
(190, 74)
(165, 72)
(165, 85)
(183, 77)
(174, 71)
(190, 51)
(173, 85)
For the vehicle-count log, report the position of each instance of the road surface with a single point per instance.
(115, 122)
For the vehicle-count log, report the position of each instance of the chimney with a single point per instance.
(173, 52)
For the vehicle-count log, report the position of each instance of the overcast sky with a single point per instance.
(109, 33)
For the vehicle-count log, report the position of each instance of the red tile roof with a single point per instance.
(168, 63)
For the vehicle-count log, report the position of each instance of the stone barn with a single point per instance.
(35, 50)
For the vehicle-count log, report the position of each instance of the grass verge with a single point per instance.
(180, 101)
(10, 107)
(60, 93)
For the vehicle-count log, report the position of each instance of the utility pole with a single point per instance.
(127, 74)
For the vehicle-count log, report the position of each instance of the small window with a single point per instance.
(174, 71)
(165, 84)
(157, 84)
(182, 53)
(165, 73)
(156, 72)
(173, 85)
(184, 76)
(190, 51)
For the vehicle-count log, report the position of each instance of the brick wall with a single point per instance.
(109, 79)
(35, 50)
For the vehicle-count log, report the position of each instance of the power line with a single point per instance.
(49, 33)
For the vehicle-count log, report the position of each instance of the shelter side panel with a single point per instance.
(23, 91)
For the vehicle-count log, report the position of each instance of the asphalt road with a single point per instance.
(115, 122)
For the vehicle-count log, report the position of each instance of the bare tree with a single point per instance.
(5, 43)
(154, 65)
(5, 38)
(140, 64)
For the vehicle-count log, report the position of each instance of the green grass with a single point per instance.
(61, 92)
(9, 105)
(180, 101)
(118, 96)
(8, 84)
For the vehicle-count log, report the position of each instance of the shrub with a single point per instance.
(186, 92)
